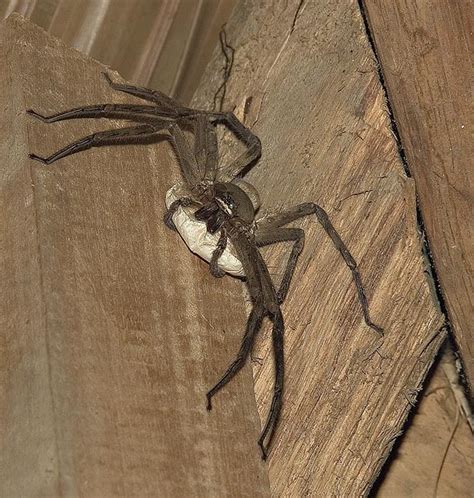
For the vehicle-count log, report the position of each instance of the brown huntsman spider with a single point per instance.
(225, 204)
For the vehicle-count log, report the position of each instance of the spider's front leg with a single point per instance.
(244, 162)
(131, 112)
(252, 142)
(122, 136)
(270, 231)
(155, 96)
(164, 107)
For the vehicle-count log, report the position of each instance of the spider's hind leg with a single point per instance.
(308, 208)
(253, 326)
(277, 400)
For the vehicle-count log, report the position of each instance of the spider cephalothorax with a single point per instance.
(224, 206)
(229, 201)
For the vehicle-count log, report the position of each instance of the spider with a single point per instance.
(227, 206)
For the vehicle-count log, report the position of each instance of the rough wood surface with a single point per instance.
(425, 49)
(304, 78)
(436, 455)
(111, 330)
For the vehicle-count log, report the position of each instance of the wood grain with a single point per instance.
(425, 49)
(436, 455)
(112, 331)
(305, 79)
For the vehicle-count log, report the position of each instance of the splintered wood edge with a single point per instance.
(437, 452)
(425, 59)
(305, 80)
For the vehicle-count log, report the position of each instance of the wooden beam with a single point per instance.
(427, 66)
(436, 455)
(112, 331)
(304, 78)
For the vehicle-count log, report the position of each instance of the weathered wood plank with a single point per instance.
(305, 79)
(436, 455)
(425, 49)
(111, 330)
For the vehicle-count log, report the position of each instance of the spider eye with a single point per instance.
(229, 200)
(226, 203)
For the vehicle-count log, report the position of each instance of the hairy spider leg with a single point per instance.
(306, 209)
(273, 234)
(135, 134)
(205, 141)
(184, 155)
(175, 205)
(168, 109)
(218, 251)
(143, 93)
(265, 300)
(251, 141)
(277, 400)
(273, 311)
(254, 323)
(243, 163)
(205, 147)
(130, 112)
